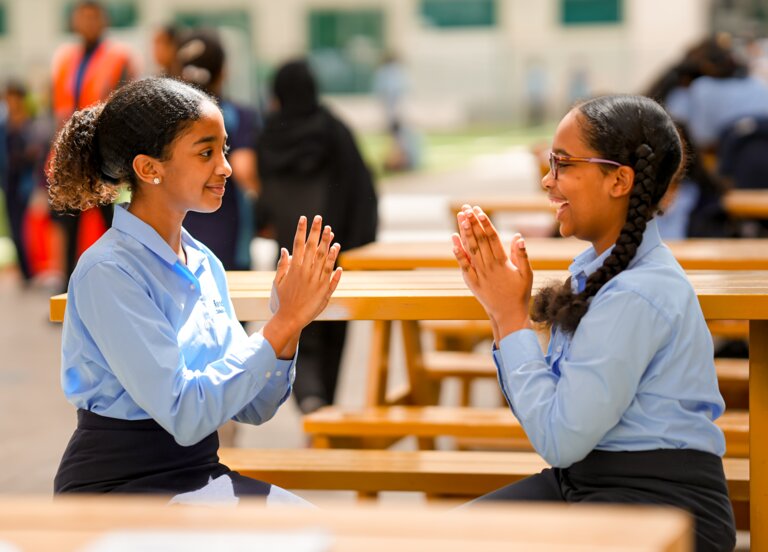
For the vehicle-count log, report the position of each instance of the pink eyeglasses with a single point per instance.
(555, 160)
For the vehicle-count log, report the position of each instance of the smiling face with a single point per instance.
(592, 202)
(195, 174)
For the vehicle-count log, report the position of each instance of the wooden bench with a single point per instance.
(732, 373)
(333, 427)
(455, 473)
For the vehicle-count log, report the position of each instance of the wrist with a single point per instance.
(510, 324)
(281, 331)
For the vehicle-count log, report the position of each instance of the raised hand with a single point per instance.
(304, 283)
(502, 283)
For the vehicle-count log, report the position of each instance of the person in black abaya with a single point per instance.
(309, 164)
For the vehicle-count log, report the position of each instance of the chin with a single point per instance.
(207, 208)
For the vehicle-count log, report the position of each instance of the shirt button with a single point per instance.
(268, 375)
(278, 373)
(559, 348)
(192, 287)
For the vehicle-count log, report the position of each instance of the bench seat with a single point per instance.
(333, 427)
(456, 473)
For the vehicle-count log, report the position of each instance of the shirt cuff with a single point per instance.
(520, 347)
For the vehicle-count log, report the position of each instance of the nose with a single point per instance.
(548, 181)
(225, 168)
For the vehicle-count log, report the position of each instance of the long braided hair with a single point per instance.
(637, 132)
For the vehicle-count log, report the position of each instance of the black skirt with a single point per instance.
(108, 455)
(688, 479)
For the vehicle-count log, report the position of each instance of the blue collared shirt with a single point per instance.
(709, 105)
(638, 373)
(146, 336)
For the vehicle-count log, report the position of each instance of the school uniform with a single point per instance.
(624, 408)
(155, 361)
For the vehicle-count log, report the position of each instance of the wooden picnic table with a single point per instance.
(737, 203)
(73, 523)
(557, 254)
(410, 296)
(747, 203)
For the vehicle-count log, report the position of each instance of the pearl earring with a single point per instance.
(156, 180)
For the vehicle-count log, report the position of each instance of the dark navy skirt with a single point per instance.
(108, 455)
(688, 479)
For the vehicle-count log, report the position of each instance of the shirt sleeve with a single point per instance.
(566, 417)
(265, 404)
(141, 348)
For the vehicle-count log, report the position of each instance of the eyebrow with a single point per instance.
(206, 139)
(561, 151)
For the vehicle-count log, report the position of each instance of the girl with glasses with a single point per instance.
(623, 403)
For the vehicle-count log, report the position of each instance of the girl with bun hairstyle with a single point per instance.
(152, 354)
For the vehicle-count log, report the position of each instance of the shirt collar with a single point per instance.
(588, 261)
(130, 224)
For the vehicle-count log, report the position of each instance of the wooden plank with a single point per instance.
(557, 254)
(746, 203)
(442, 295)
(482, 423)
(40, 524)
(459, 473)
(737, 203)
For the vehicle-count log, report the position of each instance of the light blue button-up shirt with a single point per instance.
(146, 336)
(638, 373)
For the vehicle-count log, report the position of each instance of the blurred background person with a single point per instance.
(84, 73)
(228, 231)
(720, 92)
(309, 164)
(165, 43)
(19, 159)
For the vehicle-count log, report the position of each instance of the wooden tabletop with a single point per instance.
(747, 203)
(442, 295)
(557, 254)
(37, 524)
(737, 203)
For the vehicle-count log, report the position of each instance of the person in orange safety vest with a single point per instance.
(83, 74)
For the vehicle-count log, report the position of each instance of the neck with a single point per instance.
(164, 221)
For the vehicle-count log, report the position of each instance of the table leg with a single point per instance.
(378, 363)
(758, 429)
(423, 390)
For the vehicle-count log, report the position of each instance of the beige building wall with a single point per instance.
(466, 74)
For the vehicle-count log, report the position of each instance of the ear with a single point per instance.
(147, 168)
(621, 185)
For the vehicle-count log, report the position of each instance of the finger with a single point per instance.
(325, 243)
(459, 252)
(520, 256)
(494, 240)
(477, 239)
(282, 265)
(468, 237)
(335, 280)
(314, 238)
(299, 239)
(330, 261)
